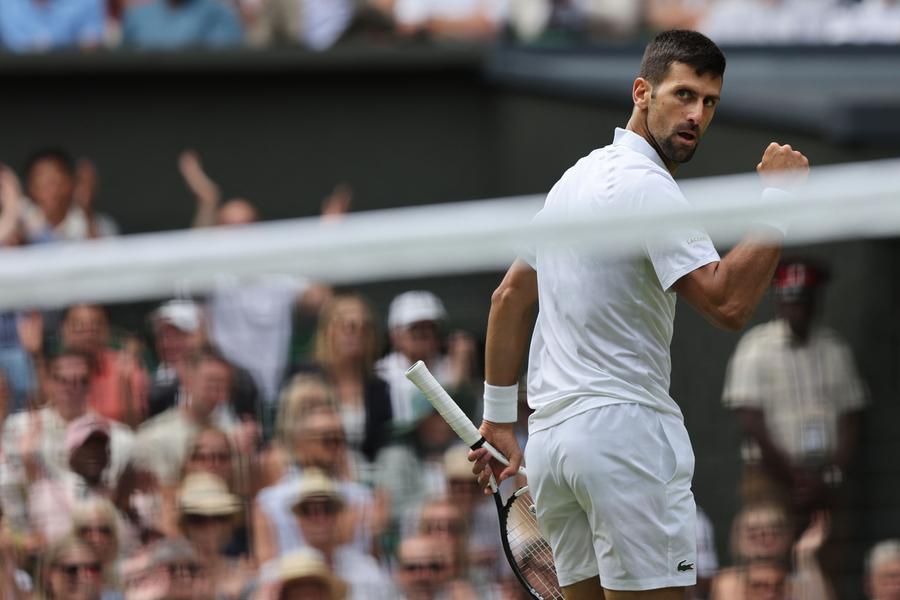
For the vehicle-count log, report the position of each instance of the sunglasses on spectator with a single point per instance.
(80, 382)
(73, 571)
(212, 457)
(316, 508)
(442, 526)
(206, 519)
(105, 530)
(434, 566)
(184, 570)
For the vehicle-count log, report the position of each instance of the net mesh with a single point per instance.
(530, 551)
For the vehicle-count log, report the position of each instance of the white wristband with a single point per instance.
(501, 403)
(775, 195)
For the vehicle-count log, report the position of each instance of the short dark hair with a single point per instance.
(57, 155)
(680, 45)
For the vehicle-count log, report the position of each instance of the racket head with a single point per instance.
(528, 553)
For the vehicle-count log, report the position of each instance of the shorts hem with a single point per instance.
(569, 579)
(639, 585)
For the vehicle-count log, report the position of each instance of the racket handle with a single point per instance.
(443, 403)
(450, 411)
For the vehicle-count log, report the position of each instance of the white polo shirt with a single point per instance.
(605, 323)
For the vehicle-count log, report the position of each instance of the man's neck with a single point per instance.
(638, 124)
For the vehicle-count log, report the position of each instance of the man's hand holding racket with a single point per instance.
(502, 437)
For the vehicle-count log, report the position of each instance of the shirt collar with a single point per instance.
(630, 139)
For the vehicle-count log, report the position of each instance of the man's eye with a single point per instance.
(683, 94)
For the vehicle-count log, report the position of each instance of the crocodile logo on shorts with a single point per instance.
(685, 567)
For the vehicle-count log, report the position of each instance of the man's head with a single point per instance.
(237, 212)
(305, 576)
(207, 512)
(796, 287)
(676, 93)
(413, 320)
(177, 330)
(207, 382)
(94, 522)
(883, 571)
(85, 328)
(50, 182)
(319, 506)
(87, 440)
(67, 385)
(424, 567)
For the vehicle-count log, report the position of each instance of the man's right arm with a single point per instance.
(509, 323)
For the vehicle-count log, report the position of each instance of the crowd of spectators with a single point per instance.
(42, 25)
(228, 451)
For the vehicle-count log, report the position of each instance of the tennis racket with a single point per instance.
(528, 553)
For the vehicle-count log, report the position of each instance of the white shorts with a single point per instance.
(612, 490)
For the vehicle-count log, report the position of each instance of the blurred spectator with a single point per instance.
(317, 25)
(40, 25)
(119, 383)
(164, 441)
(70, 570)
(883, 571)
(61, 199)
(169, 570)
(425, 571)
(414, 322)
(345, 351)
(304, 575)
(250, 321)
(456, 19)
(326, 527)
(762, 534)
(797, 395)
(765, 579)
(11, 208)
(96, 523)
(34, 441)
(592, 19)
(178, 329)
(317, 442)
(21, 360)
(52, 496)
(15, 584)
(176, 24)
(444, 521)
(208, 515)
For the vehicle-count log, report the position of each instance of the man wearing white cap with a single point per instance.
(414, 321)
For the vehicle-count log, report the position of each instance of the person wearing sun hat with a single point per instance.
(208, 514)
(326, 526)
(304, 575)
(795, 389)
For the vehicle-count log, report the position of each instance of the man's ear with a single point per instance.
(641, 92)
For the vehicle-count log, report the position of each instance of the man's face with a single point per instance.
(171, 343)
(885, 581)
(318, 517)
(798, 312)
(85, 329)
(209, 534)
(419, 341)
(305, 589)
(91, 458)
(765, 582)
(99, 532)
(680, 109)
(424, 568)
(67, 388)
(50, 186)
(208, 386)
(76, 575)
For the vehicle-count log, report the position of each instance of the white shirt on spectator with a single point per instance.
(75, 226)
(419, 12)
(606, 340)
(362, 573)
(251, 324)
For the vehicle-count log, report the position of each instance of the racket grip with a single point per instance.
(443, 403)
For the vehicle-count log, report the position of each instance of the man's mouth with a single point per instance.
(687, 136)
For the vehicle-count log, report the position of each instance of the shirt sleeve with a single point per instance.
(848, 389)
(679, 251)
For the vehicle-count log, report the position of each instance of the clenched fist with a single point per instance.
(782, 166)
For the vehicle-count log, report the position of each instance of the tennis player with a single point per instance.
(608, 457)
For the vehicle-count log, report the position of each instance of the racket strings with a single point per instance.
(531, 552)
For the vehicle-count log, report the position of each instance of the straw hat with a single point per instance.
(308, 565)
(206, 494)
(315, 483)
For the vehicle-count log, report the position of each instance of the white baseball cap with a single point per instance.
(182, 314)
(415, 306)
